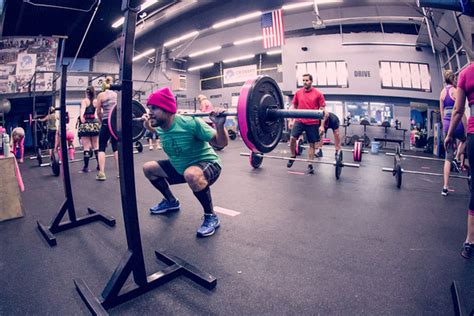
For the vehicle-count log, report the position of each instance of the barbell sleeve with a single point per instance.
(426, 173)
(415, 157)
(304, 114)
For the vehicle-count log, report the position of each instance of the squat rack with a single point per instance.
(132, 263)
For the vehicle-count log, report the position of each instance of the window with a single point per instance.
(444, 56)
(462, 58)
(337, 108)
(357, 111)
(454, 65)
(451, 49)
(380, 112)
(457, 39)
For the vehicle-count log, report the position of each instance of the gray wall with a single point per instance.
(366, 58)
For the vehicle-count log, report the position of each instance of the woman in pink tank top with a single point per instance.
(465, 90)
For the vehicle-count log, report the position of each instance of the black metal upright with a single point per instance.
(116, 292)
(56, 225)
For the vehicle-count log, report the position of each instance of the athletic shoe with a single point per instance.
(319, 154)
(165, 206)
(100, 176)
(209, 226)
(84, 170)
(290, 163)
(310, 169)
(455, 166)
(150, 148)
(444, 192)
(467, 250)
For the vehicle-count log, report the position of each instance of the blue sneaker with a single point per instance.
(209, 226)
(165, 206)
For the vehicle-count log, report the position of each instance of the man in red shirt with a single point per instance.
(307, 98)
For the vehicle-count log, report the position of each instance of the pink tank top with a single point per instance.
(466, 83)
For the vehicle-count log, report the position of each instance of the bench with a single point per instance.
(390, 140)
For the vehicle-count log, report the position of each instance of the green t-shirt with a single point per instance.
(186, 142)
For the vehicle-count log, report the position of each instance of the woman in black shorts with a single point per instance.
(89, 128)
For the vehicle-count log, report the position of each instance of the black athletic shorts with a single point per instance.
(332, 122)
(312, 131)
(51, 138)
(211, 171)
(104, 136)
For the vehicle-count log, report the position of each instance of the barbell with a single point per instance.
(398, 171)
(357, 151)
(256, 160)
(260, 114)
(30, 119)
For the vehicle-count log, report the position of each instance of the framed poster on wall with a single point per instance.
(331, 74)
(405, 76)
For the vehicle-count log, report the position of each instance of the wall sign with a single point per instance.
(239, 74)
(362, 74)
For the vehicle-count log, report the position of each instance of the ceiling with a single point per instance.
(26, 18)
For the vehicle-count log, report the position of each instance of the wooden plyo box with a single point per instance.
(10, 197)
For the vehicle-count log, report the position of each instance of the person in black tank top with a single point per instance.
(89, 128)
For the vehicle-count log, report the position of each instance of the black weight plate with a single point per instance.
(55, 167)
(256, 129)
(232, 134)
(339, 164)
(139, 146)
(138, 130)
(255, 160)
(354, 139)
(398, 175)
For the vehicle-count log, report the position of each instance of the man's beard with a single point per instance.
(154, 122)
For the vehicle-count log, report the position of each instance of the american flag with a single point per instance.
(273, 31)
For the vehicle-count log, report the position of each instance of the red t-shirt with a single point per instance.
(308, 100)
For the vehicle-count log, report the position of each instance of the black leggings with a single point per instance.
(104, 136)
(470, 156)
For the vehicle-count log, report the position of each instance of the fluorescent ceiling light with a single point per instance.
(248, 40)
(145, 5)
(327, 1)
(205, 51)
(182, 38)
(274, 52)
(237, 19)
(293, 6)
(118, 22)
(200, 67)
(146, 53)
(238, 58)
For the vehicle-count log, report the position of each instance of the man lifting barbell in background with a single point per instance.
(307, 98)
(186, 141)
(331, 121)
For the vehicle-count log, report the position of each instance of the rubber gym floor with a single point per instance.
(300, 245)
